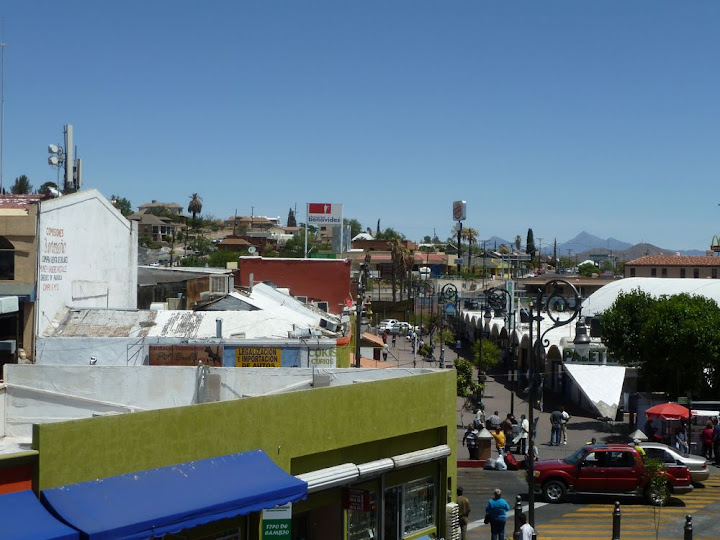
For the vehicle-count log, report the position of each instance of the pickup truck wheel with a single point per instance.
(554, 491)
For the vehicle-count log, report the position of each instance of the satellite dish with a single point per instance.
(251, 250)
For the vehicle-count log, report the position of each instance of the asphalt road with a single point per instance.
(590, 518)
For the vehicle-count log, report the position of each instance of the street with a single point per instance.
(589, 518)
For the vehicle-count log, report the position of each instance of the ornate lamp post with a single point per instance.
(501, 301)
(447, 294)
(560, 301)
(359, 319)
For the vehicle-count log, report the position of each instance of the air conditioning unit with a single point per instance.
(452, 520)
(219, 284)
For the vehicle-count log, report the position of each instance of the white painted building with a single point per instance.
(87, 256)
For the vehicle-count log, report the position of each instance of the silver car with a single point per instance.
(698, 465)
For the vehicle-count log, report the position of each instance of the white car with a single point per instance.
(386, 325)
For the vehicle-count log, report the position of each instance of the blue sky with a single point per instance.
(560, 116)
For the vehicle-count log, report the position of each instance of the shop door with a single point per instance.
(391, 527)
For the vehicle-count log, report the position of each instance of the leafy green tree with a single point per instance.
(682, 345)
(389, 234)
(621, 325)
(123, 205)
(291, 221)
(673, 340)
(587, 269)
(293, 248)
(220, 258)
(465, 384)
(488, 358)
(530, 244)
(22, 185)
(355, 227)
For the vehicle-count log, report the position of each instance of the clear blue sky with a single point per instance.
(559, 116)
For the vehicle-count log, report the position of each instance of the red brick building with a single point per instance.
(318, 280)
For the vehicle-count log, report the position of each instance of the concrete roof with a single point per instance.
(278, 316)
(604, 297)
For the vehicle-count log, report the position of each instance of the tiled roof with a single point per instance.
(674, 260)
(21, 200)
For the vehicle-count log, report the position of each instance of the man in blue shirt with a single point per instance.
(496, 513)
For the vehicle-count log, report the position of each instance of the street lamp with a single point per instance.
(447, 294)
(582, 340)
(359, 319)
(501, 301)
(560, 310)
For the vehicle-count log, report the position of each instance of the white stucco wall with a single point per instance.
(41, 394)
(87, 256)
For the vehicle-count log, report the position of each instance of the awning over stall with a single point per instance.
(23, 517)
(169, 499)
(600, 384)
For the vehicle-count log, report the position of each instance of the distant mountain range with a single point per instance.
(585, 244)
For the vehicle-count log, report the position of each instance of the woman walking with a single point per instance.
(496, 513)
(706, 437)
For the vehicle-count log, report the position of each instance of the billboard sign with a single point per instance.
(324, 214)
(459, 211)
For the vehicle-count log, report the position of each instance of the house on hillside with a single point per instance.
(172, 208)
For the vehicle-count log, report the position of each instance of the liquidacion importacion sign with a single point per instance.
(324, 213)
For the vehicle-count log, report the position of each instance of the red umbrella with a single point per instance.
(668, 411)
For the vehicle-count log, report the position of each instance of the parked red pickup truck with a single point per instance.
(608, 469)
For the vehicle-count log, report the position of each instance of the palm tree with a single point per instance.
(195, 206)
(470, 235)
(518, 242)
(401, 259)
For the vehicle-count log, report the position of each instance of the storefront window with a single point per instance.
(363, 524)
(418, 505)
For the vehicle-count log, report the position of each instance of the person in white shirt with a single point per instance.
(524, 433)
(563, 424)
(526, 530)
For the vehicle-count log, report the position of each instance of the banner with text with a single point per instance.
(277, 522)
(257, 357)
(323, 357)
(324, 214)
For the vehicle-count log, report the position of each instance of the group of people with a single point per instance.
(558, 431)
(507, 433)
(710, 438)
(495, 515)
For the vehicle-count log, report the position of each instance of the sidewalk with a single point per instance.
(580, 429)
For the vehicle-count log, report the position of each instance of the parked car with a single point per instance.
(400, 328)
(608, 469)
(698, 465)
(386, 324)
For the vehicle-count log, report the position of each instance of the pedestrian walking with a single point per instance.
(716, 441)
(526, 530)
(564, 423)
(385, 352)
(524, 434)
(470, 439)
(393, 340)
(556, 427)
(706, 438)
(507, 427)
(496, 514)
(463, 511)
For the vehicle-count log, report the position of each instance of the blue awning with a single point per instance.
(169, 499)
(23, 517)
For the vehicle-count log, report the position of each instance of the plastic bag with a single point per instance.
(500, 464)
